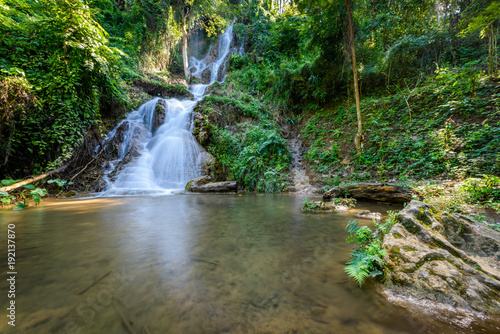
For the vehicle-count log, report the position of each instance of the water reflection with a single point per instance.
(195, 264)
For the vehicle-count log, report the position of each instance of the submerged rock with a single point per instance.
(381, 192)
(444, 258)
(370, 215)
(343, 204)
(203, 185)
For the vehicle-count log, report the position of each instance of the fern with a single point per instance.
(358, 267)
(367, 260)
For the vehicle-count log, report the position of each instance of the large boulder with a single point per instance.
(381, 192)
(443, 258)
(203, 185)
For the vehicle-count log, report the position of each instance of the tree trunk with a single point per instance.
(490, 52)
(359, 136)
(33, 179)
(184, 46)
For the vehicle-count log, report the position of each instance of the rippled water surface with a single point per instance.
(196, 264)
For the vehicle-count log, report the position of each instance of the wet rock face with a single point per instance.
(112, 145)
(206, 75)
(134, 151)
(444, 258)
(159, 117)
(203, 185)
(201, 129)
(380, 192)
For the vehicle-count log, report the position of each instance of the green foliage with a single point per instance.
(9, 182)
(148, 31)
(19, 199)
(387, 224)
(483, 189)
(310, 205)
(484, 21)
(60, 183)
(259, 159)
(62, 52)
(348, 201)
(368, 258)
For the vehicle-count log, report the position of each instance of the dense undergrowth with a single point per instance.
(70, 66)
(246, 140)
(440, 131)
(429, 102)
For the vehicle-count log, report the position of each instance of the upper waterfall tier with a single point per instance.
(213, 66)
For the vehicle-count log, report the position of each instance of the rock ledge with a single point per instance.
(203, 185)
(381, 192)
(444, 258)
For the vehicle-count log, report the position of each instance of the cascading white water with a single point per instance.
(198, 66)
(224, 45)
(168, 156)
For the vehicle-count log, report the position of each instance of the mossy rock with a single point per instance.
(434, 256)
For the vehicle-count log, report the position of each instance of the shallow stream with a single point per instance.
(196, 264)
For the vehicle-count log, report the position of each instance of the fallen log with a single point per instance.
(33, 179)
(380, 192)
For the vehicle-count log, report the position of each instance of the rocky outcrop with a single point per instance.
(164, 90)
(206, 75)
(201, 129)
(133, 149)
(159, 116)
(444, 258)
(369, 215)
(343, 204)
(380, 192)
(203, 185)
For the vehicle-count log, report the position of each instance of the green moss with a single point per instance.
(395, 250)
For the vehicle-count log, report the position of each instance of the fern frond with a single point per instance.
(352, 227)
(357, 272)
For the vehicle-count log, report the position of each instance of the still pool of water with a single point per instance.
(196, 264)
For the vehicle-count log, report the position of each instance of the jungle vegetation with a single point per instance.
(384, 90)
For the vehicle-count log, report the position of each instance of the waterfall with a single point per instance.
(216, 67)
(154, 157)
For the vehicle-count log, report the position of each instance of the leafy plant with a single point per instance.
(20, 200)
(481, 189)
(349, 202)
(368, 258)
(310, 205)
(60, 183)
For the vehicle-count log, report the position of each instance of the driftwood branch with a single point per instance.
(33, 179)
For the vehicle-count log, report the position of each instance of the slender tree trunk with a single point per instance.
(184, 46)
(490, 52)
(495, 50)
(33, 179)
(359, 136)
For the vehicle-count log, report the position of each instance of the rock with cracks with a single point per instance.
(203, 185)
(381, 192)
(445, 259)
